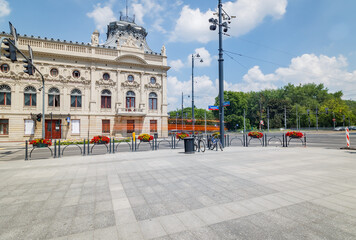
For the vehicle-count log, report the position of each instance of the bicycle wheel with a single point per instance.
(202, 146)
(195, 147)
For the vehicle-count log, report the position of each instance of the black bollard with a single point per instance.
(59, 148)
(55, 149)
(132, 143)
(305, 140)
(88, 147)
(26, 150)
(113, 145)
(84, 147)
(109, 145)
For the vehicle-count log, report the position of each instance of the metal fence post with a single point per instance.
(113, 145)
(59, 148)
(109, 145)
(246, 141)
(84, 147)
(305, 140)
(55, 149)
(26, 150)
(283, 140)
(88, 146)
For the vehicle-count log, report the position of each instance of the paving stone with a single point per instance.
(104, 219)
(152, 229)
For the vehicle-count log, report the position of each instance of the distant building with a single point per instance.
(111, 89)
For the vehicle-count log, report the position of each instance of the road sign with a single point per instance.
(214, 108)
(261, 122)
(334, 119)
(226, 103)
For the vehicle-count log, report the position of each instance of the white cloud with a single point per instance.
(176, 64)
(144, 7)
(4, 8)
(102, 16)
(308, 68)
(205, 92)
(193, 24)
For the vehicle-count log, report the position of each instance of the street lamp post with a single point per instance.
(196, 56)
(223, 28)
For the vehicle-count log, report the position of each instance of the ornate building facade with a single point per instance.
(112, 89)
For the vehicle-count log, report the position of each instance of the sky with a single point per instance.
(270, 43)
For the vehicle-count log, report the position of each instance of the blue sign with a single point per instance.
(213, 108)
(226, 104)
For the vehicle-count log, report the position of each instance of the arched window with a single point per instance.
(130, 99)
(30, 96)
(53, 97)
(130, 78)
(76, 98)
(5, 95)
(152, 100)
(153, 80)
(105, 99)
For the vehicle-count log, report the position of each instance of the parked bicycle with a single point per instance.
(216, 144)
(199, 144)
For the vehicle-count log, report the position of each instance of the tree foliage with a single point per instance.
(296, 101)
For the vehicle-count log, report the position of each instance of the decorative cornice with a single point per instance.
(128, 84)
(155, 86)
(103, 82)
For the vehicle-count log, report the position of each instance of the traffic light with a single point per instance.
(29, 66)
(11, 49)
(38, 117)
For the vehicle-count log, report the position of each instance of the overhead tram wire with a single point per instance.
(254, 58)
(236, 60)
(280, 65)
(265, 46)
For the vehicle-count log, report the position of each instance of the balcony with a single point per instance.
(130, 112)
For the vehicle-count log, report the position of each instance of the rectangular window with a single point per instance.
(4, 126)
(30, 99)
(153, 126)
(75, 126)
(105, 101)
(5, 98)
(106, 126)
(29, 127)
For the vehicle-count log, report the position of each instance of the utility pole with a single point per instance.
(285, 117)
(205, 121)
(244, 121)
(219, 22)
(201, 60)
(268, 119)
(317, 128)
(296, 115)
(182, 111)
(334, 120)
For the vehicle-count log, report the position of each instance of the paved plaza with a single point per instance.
(241, 193)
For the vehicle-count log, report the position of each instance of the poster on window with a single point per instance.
(29, 127)
(75, 126)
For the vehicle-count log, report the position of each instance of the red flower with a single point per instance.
(294, 134)
(100, 139)
(255, 134)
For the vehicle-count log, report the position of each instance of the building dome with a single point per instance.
(124, 31)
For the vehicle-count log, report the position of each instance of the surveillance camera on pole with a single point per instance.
(223, 28)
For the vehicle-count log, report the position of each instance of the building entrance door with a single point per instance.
(54, 127)
(130, 126)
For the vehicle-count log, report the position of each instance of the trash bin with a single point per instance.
(189, 145)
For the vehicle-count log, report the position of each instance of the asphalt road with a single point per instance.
(329, 140)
